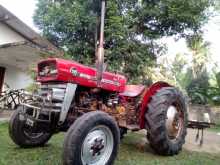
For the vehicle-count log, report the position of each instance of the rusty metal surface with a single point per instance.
(199, 124)
(125, 111)
(100, 52)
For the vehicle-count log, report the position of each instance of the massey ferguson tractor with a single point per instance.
(96, 108)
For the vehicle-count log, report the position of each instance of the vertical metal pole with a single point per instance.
(100, 51)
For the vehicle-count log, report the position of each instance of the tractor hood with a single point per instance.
(59, 70)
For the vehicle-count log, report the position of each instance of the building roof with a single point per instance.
(25, 31)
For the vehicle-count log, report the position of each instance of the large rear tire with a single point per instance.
(166, 121)
(92, 139)
(22, 135)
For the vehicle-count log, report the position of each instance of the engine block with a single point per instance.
(123, 109)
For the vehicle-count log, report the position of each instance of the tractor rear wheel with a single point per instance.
(92, 139)
(166, 121)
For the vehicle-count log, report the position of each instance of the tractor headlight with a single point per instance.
(47, 69)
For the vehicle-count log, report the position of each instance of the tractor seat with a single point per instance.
(133, 90)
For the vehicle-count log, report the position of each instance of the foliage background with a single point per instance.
(131, 33)
(133, 29)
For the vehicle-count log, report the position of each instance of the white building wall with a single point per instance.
(16, 78)
(7, 35)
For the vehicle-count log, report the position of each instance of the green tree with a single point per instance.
(132, 29)
(179, 70)
(176, 71)
(200, 53)
(197, 89)
(214, 90)
(217, 4)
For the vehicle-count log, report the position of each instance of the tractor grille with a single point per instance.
(51, 96)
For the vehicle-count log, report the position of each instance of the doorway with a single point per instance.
(2, 76)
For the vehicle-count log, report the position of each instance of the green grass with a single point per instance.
(216, 127)
(131, 153)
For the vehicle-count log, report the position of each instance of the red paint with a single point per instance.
(146, 99)
(132, 90)
(64, 75)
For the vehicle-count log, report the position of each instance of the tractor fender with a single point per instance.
(146, 99)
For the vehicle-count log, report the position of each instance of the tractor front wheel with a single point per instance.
(92, 139)
(24, 135)
(166, 121)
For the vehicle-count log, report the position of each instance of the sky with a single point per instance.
(211, 34)
(24, 10)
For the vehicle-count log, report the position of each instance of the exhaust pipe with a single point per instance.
(100, 51)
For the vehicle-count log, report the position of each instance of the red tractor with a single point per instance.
(96, 108)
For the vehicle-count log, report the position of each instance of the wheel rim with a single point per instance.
(97, 146)
(174, 122)
(30, 134)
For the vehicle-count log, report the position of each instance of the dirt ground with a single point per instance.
(211, 142)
